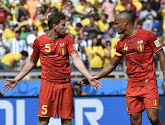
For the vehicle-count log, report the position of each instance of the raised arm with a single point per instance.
(161, 57)
(13, 82)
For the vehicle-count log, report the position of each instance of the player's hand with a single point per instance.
(95, 83)
(84, 82)
(10, 85)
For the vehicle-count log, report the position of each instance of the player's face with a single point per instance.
(61, 28)
(119, 25)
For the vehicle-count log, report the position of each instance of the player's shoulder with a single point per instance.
(143, 32)
(41, 38)
(68, 36)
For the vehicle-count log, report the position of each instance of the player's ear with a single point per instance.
(54, 26)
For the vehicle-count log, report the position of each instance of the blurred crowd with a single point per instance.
(90, 22)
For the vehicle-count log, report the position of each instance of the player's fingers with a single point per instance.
(4, 87)
(99, 83)
(79, 82)
(7, 89)
(94, 87)
(10, 89)
(98, 86)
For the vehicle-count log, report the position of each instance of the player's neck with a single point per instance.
(131, 32)
(52, 35)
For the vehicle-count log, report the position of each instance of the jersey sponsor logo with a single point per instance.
(62, 51)
(155, 102)
(125, 47)
(157, 43)
(140, 48)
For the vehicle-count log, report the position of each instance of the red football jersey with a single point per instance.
(138, 51)
(54, 56)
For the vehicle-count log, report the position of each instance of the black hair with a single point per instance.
(78, 25)
(55, 18)
(24, 53)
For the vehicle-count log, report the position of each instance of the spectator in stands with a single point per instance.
(10, 32)
(16, 45)
(109, 36)
(10, 60)
(155, 32)
(108, 8)
(92, 28)
(2, 45)
(2, 26)
(155, 4)
(8, 19)
(95, 55)
(147, 16)
(77, 90)
(132, 13)
(103, 24)
(133, 7)
(158, 24)
(84, 42)
(19, 9)
(4, 10)
(138, 22)
(107, 54)
(1, 94)
(30, 40)
(45, 29)
(25, 32)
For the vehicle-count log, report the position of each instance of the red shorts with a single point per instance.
(56, 99)
(140, 97)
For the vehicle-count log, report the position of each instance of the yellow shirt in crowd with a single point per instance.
(106, 60)
(9, 34)
(95, 61)
(9, 56)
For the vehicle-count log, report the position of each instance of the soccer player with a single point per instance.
(53, 49)
(137, 46)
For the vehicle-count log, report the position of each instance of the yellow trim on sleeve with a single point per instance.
(33, 59)
(72, 53)
(42, 116)
(158, 50)
(118, 54)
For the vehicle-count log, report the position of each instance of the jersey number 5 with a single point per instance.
(44, 108)
(47, 46)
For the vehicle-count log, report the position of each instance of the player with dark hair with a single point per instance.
(53, 49)
(137, 46)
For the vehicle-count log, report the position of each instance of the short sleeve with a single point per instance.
(36, 51)
(153, 42)
(70, 45)
(118, 52)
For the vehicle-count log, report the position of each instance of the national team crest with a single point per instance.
(140, 48)
(155, 102)
(62, 51)
(125, 47)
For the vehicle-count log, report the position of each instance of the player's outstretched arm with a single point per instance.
(13, 82)
(105, 71)
(161, 57)
(109, 68)
(81, 67)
